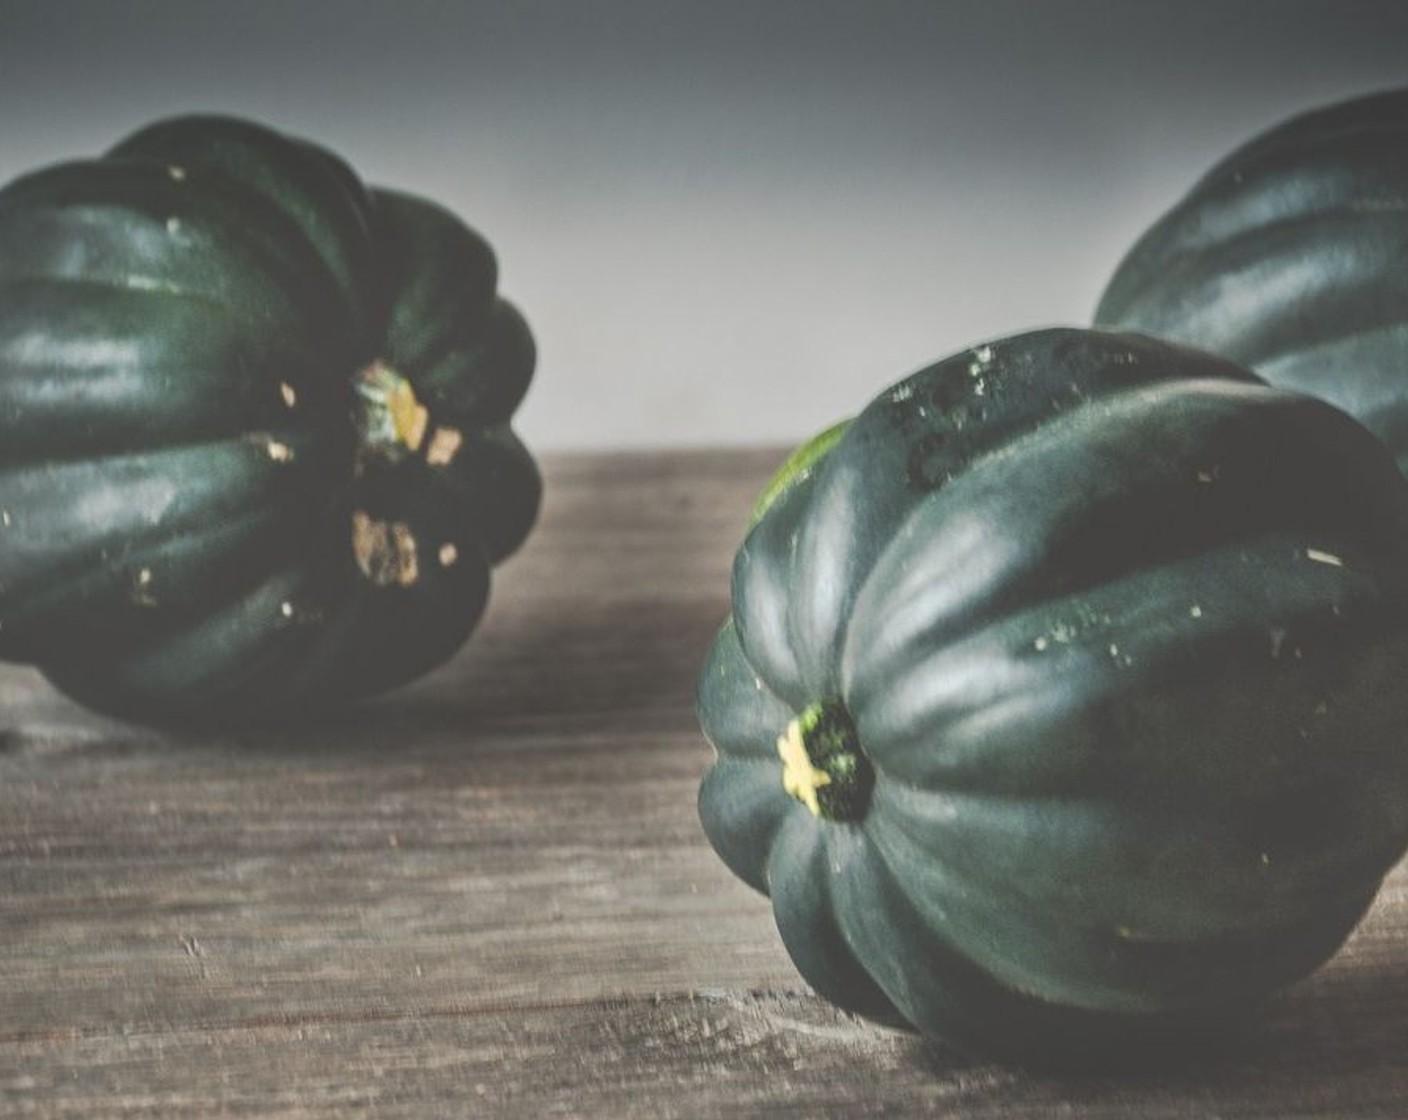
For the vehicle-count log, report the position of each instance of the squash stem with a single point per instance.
(392, 422)
(823, 766)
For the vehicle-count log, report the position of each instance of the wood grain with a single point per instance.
(488, 895)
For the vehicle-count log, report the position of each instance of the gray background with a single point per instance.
(730, 222)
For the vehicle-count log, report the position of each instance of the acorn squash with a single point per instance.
(255, 443)
(1290, 257)
(1060, 711)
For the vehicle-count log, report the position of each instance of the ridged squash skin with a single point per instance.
(1291, 257)
(1120, 633)
(255, 445)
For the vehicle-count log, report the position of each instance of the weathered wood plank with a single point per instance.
(1331, 1049)
(489, 895)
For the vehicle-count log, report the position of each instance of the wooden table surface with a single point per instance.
(489, 895)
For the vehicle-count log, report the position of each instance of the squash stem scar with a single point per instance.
(393, 422)
(386, 552)
(823, 766)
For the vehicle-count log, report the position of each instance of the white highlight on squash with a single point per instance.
(280, 452)
(141, 592)
(148, 284)
(176, 172)
(289, 394)
(1278, 641)
(121, 360)
(1324, 557)
(448, 554)
(1063, 633)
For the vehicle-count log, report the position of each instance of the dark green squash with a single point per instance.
(255, 453)
(1290, 257)
(1060, 710)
